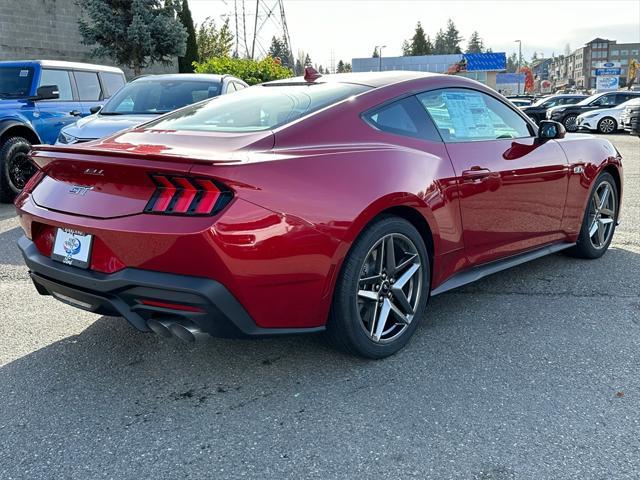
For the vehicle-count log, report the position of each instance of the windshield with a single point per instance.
(154, 96)
(262, 107)
(15, 82)
(588, 100)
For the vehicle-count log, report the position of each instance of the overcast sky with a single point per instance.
(351, 28)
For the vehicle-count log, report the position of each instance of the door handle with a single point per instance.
(75, 113)
(476, 173)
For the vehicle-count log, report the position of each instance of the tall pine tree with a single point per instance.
(452, 38)
(185, 63)
(476, 45)
(440, 44)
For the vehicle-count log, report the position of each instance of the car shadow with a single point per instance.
(9, 253)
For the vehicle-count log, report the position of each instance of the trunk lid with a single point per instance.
(112, 177)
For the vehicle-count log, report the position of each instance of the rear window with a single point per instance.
(159, 96)
(15, 82)
(112, 82)
(262, 107)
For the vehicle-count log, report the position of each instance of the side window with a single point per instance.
(112, 83)
(231, 87)
(604, 100)
(465, 115)
(403, 117)
(552, 103)
(88, 86)
(239, 86)
(59, 78)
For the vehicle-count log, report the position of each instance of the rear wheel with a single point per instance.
(15, 167)
(383, 290)
(570, 123)
(607, 125)
(599, 221)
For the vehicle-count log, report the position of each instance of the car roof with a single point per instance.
(369, 79)
(63, 64)
(187, 76)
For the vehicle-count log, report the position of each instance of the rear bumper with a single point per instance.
(210, 305)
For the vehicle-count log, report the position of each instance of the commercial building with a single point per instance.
(578, 69)
(48, 29)
(482, 67)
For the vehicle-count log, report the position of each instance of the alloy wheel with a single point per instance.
(570, 123)
(389, 287)
(602, 215)
(607, 125)
(20, 170)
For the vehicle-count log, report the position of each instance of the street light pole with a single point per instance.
(379, 49)
(519, 61)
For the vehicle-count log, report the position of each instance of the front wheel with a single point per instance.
(570, 123)
(600, 217)
(15, 167)
(383, 290)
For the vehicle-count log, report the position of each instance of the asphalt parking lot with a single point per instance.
(533, 373)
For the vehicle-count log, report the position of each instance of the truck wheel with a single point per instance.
(15, 167)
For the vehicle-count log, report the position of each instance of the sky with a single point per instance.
(344, 29)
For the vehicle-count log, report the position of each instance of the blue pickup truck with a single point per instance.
(37, 99)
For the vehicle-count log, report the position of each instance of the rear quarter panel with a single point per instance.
(593, 155)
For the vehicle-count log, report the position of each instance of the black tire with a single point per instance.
(607, 125)
(346, 328)
(570, 123)
(15, 167)
(587, 247)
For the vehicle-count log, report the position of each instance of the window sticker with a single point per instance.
(469, 115)
(24, 73)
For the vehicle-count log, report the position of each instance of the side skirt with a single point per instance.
(481, 271)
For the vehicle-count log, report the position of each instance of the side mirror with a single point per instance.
(95, 109)
(549, 130)
(47, 92)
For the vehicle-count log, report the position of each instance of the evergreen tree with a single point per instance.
(307, 61)
(279, 49)
(440, 44)
(213, 42)
(476, 45)
(420, 44)
(406, 48)
(512, 63)
(299, 68)
(376, 54)
(341, 68)
(452, 38)
(347, 68)
(185, 63)
(135, 33)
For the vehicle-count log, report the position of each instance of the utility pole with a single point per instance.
(379, 49)
(255, 30)
(519, 62)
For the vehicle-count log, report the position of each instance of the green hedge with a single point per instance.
(251, 71)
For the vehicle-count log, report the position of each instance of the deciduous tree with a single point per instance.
(212, 41)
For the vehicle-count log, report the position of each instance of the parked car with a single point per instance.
(538, 110)
(630, 117)
(337, 203)
(521, 102)
(146, 98)
(568, 114)
(605, 120)
(37, 99)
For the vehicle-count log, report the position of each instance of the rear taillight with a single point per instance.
(176, 195)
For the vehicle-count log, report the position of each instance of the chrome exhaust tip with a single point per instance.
(186, 331)
(162, 328)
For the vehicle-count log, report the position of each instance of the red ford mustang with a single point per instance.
(337, 203)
